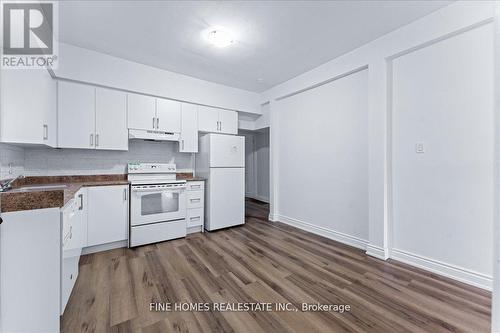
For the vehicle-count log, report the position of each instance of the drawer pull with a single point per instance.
(195, 186)
(195, 200)
(195, 218)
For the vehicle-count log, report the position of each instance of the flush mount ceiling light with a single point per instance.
(220, 38)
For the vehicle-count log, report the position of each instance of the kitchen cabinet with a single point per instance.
(208, 119)
(107, 214)
(72, 242)
(217, 120)
(168, 115)
(91, 118)
(189, 129)
(141, 112)
(150, 113)
(76, 115)
(195, 217)
(30, 260)
(28, 107)
(228, 122)
(111, 130)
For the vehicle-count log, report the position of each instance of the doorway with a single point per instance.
(257, 166)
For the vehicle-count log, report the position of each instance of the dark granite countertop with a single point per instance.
(29, 193)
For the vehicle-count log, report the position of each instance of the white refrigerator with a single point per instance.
(221, 161)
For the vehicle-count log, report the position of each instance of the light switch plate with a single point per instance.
(419, 148)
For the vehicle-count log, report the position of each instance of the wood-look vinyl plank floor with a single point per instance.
(266, 262)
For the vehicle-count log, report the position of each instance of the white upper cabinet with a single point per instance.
(217, 120)
(208, 119)
(189, 129)
(76, 115)
(28, 107)
(168, 115)
(228, 122)
(141, 112)
(91, 118)
(111, 120)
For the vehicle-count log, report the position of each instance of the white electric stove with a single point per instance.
(157, 203)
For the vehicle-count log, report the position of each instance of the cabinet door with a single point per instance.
(208, 119)
(76, 115)
(141, 112)
(111, 120)
(228, 122)
(189, 129)
(168, 115)
(30, 259)
(28, 107)
(107, 214)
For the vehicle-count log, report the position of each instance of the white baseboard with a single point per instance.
(104, 247)
(455, 272)
(273, 217)
(377, 252)
(325, 232)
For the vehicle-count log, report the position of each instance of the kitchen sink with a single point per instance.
(42, 187)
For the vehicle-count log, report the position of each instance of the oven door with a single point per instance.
(157, 203)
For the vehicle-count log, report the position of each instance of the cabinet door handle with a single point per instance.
(97, 140)
(81, 201)
(157, 123)
(45, 132)
(153, 122)
(125, 194)
(220, 126)
(182, 144)
(91, 140)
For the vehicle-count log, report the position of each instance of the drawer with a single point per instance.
(195, 199)
(69, 274)
(195, 217)
(196, 186)
(157, 232)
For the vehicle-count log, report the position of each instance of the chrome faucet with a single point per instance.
(7, 185)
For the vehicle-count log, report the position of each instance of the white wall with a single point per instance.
(443, 198)
(84, 65)
(495, 311)
(262, 158)
(455, 19)
(40, 161)
(323, 154)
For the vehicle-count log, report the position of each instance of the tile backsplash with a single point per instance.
(11, 161)
(44, 161)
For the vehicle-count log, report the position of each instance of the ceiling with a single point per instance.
(275, 40)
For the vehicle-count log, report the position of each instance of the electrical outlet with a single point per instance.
(419, 148)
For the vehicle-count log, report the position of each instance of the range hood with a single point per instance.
(153, 135)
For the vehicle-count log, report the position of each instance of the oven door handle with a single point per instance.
(154, 190)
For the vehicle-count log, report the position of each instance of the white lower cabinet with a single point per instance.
(195, 217)
(30, 259)
(107, 214)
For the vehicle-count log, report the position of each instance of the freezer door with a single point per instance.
(226, 198)
(227, 151)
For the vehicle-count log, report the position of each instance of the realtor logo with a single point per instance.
(28, 34)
